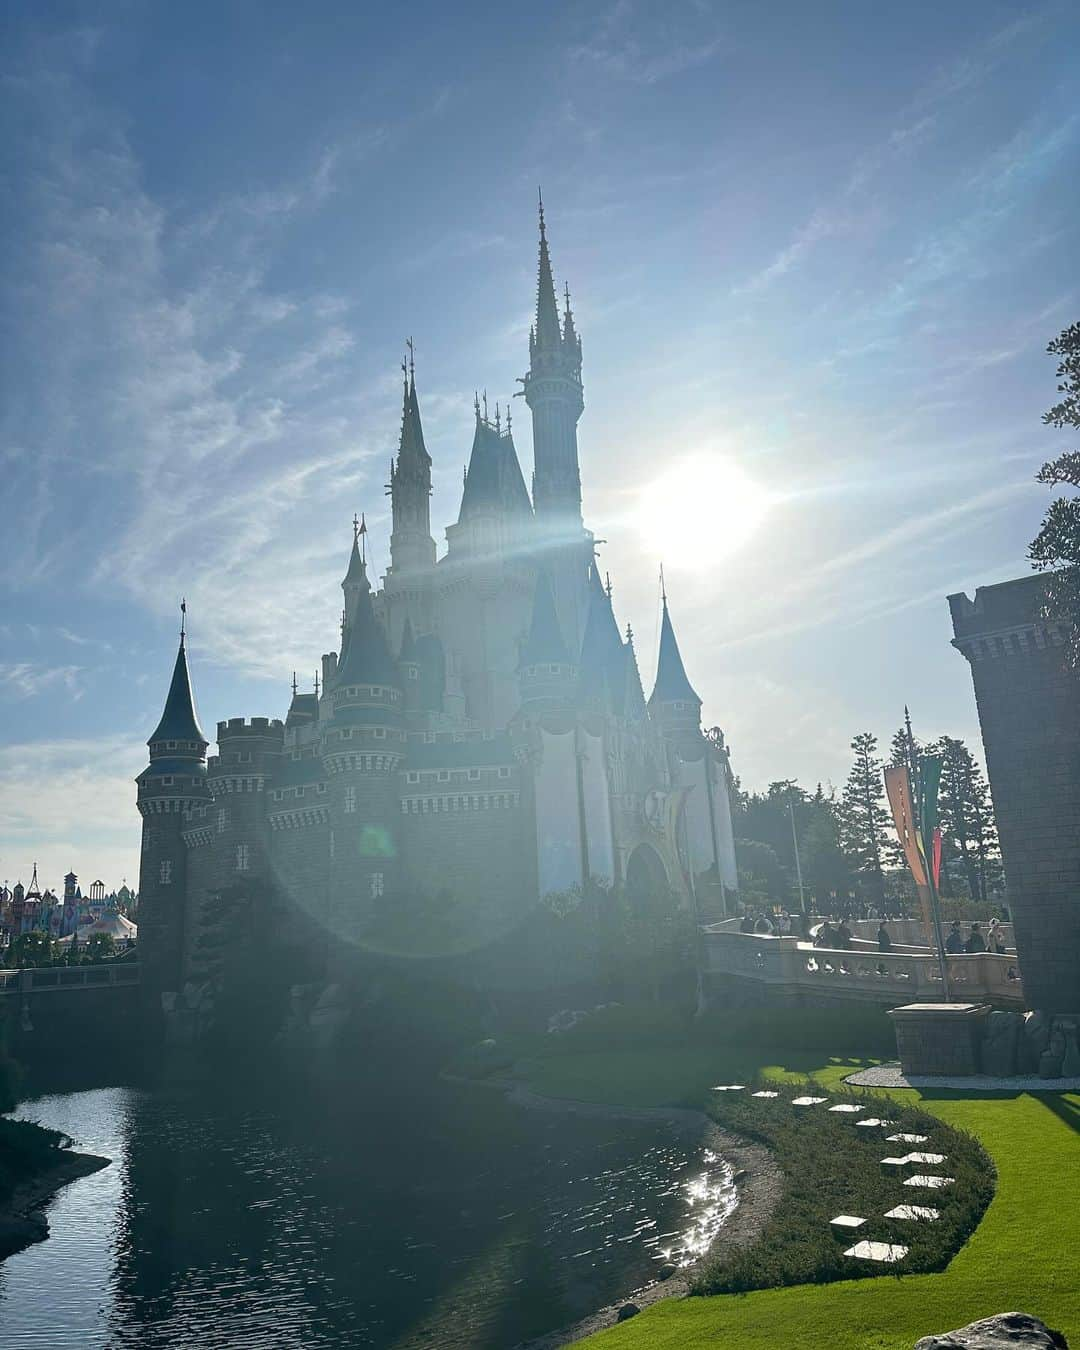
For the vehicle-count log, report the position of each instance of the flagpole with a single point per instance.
(798, 864)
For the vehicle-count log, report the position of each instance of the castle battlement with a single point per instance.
(237, 727)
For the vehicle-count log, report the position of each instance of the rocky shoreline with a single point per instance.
(758, 1177)
(22, 1221)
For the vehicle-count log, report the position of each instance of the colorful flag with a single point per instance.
(898, 790)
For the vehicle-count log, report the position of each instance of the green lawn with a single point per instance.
(1024, 1255)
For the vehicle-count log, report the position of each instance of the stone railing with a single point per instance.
(53, 979)
(910, 977)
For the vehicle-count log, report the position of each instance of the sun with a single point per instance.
(702, 507)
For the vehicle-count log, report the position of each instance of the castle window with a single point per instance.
(244, 757)
(379, 733)
(474, 774)
(377, 885)
(444, 775)
(242, 857)
(414, 673)
(223, 820)
(167, 780)
(331, 844)
(429, 738)
(320, 788)
(165, 872)
(300, 792)
(504, 772)
(350, 799)
(295, 754)
(412, 776)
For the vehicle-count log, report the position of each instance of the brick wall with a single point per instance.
(1029, 712)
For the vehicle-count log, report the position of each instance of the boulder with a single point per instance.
(627, 1311)
(999, 1044)
(1002, 1332)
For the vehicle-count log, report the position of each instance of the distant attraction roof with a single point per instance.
(179, 721)
(672, 684)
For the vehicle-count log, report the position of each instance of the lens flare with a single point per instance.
(701, 508)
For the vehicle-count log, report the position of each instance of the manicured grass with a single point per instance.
(1025, 1253)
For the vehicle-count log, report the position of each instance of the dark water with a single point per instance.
(292, 1213)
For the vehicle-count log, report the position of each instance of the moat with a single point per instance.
(301, 1212)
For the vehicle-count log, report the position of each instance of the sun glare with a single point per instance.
(702, 507)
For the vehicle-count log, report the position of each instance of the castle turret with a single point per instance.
(362, 745)
(546, 672)
(169, 788)
(674, 704)
(496, 514)
(412, 548)
(602, 660)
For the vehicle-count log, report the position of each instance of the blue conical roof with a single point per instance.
(179, 721)
(672, 684)
(601, 646)
(545, 642)
(494, 481)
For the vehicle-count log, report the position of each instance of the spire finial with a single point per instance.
(362, 532)
(566, 293)
(412, 362)
(183, 617)
(508, 419)
(540, 201)
(607, 578)
(476, 404)
(294, 684)
(663, 587)
(498, 421)
(485, 406)
(629, 632)
(316, 684)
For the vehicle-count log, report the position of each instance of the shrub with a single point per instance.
(831, 1167)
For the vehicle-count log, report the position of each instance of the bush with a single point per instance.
(831, 1167)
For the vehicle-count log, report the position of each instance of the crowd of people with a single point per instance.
(838, 936)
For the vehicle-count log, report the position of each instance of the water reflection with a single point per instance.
(299, 1213)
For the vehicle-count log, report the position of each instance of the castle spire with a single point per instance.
(672, 684)
(547, 314)
(412, 548)
(179, 721)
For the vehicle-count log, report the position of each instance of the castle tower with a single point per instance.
(553, 391)
(168, 789)
(412, 549)
(496, 514)
(362, 746)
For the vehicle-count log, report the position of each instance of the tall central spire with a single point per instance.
(546, 329)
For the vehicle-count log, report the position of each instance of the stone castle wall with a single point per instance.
(1029, 712)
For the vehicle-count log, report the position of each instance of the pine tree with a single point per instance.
(863, 818)
(967, 818)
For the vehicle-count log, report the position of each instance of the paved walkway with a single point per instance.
(889, 1076)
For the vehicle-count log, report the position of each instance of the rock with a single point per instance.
(1070, 1065)
(666, 1271)
(627, 1311)
(740, 1176)
(999, 1044)
(1052, 1058)
(998, 1333)
(1034, 1038)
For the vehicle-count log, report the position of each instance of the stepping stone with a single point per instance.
(846, 1226)
(914, 1213)
(730, 1087)
(877, 1251)
(765, 1094)
(894, 1164)
(808, 1101)
(872, 1123)
(847, 1108)
(907, 1138)
(929, 1183)
(927, 1159)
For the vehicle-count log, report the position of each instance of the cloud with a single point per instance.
(646, 45)
(22, 680)
(69, 805)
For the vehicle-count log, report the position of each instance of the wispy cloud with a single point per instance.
(21, 680)
(645, 44)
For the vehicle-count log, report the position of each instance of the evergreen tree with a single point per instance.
(1056, 548)
(826, 872)
(863, 817)
(967, 818)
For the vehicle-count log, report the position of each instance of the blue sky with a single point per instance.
(815, 254)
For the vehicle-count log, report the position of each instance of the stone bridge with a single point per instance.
(65, 1011)
(792, 971)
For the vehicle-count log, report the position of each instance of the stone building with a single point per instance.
(482, 732)
(1029, 712)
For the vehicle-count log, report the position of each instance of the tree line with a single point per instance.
(847, 846)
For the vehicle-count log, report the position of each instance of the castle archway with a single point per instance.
(645, 872)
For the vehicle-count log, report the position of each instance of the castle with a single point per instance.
(482, 733)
